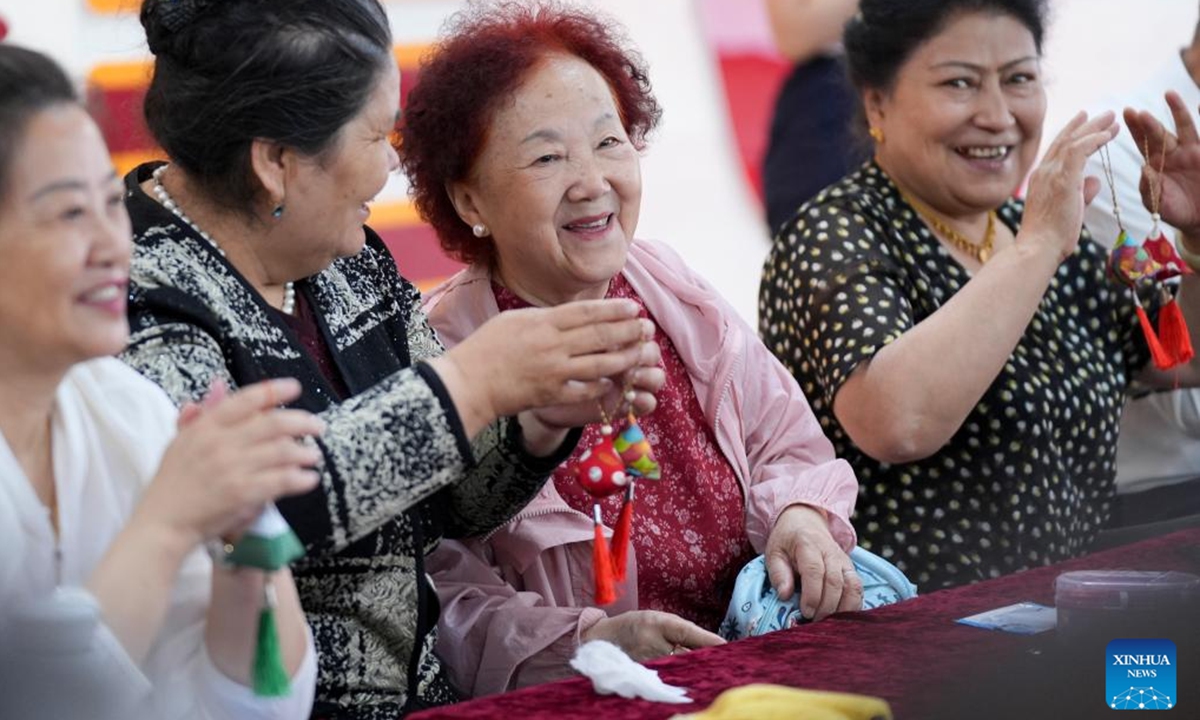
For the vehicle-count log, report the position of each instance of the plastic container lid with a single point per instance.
(1125, 589)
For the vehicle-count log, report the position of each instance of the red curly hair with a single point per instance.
(485, 53)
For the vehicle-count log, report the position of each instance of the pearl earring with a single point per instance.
(480, 230)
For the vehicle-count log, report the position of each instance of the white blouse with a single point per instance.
(110, 429)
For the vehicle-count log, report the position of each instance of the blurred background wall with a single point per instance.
(714, 72)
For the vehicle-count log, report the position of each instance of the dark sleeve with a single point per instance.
(831, 294)
(384, 450)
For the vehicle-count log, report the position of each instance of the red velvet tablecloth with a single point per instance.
(912, 654)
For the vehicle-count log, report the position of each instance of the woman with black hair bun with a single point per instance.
(252, 261)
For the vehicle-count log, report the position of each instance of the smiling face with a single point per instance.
(65, 243)
(558, 184)
(325, 205)
(962, 124)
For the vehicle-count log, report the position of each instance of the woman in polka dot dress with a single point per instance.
(544, 203)
(964, 351)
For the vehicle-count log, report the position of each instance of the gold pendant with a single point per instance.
(983, 254)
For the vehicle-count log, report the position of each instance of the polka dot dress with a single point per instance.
(1029, 477)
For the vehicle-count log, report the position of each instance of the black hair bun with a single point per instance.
(162, 19)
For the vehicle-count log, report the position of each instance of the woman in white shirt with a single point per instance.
(108, 604)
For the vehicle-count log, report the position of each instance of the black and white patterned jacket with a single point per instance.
(398, 472)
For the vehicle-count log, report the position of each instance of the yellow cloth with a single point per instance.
(778, 702)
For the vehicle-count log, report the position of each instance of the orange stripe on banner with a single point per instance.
(111, 77)
(409, 56)
(115, 6)
(123, 162)
(136, 74)
(428, 284)
(394, 214)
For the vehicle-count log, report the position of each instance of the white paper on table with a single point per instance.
(612, 672)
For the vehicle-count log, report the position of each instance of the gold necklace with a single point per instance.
(980, 251)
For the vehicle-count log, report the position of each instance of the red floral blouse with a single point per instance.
(689, 528)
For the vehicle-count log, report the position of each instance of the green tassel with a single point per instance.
(269, 544)
(266, 553)
(270, 676)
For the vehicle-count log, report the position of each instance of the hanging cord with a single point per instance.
(1155, 187)
(1106, 165)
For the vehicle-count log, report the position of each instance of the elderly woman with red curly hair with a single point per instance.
(521, 142)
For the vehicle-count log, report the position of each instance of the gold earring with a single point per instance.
(876, 134)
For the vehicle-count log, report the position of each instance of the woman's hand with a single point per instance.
(1058, 191)
(644, 381)
(800, 544)
(648, 634)
(231, 456)
(543, 357)
(1179, 178)
(545, 429)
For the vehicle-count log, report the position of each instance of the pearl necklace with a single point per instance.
(289, 288)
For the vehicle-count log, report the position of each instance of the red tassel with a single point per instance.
(621, 535)
(1173, 332)
(1161, 359)
(602, 565)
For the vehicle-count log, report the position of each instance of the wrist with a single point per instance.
(473, 410)
(809, 512)
(539, 438)
(593, 631)
(172, 543)
(1043, 252)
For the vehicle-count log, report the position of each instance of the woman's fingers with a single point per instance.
(1091, 187)
(680, 633)
(585, 313)
(254, 399)
(604, 337)
(281, 453)
(1185, 127)
(820, 585)
(274, 424)
(833, 588)
(852, 589)
(609, 364)
(1083, 135)
(1067, 130)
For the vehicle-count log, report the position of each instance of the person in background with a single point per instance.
(1158, 456)
(965, 351)
(812, 141)
(521, 143)
(109, 605)
(251, 261)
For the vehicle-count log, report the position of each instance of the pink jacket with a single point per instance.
(514, 602)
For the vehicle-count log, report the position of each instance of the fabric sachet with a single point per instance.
(756, 608)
